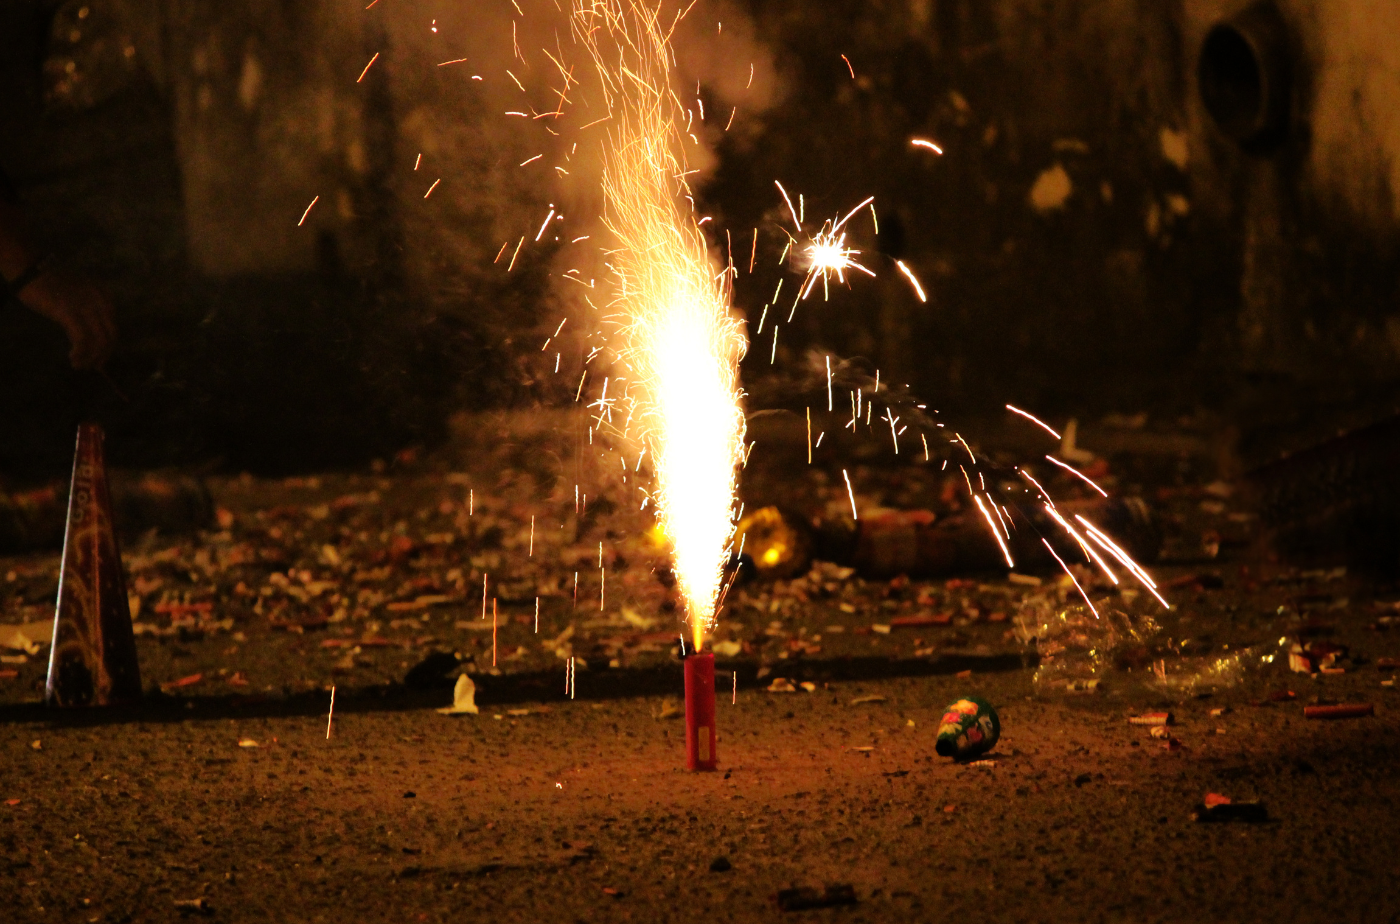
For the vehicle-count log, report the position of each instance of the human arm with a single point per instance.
(33, 280)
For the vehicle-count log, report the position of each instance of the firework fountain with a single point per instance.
(676, 343)
(679, 344)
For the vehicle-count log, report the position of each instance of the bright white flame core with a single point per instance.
(829, 256)
(695, 452)
(680, 344)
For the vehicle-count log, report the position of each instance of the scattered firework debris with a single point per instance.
(1218, 808)
(805, 898)
(1152, 719)
(351, 579)
(1339, 711)
(352, 574)
(463, 698)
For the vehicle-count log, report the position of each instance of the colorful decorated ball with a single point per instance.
(969, 727)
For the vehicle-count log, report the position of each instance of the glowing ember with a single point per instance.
(680, 345)
(825, 253)
(828, 255)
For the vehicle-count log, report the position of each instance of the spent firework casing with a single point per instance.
(1151, 718)
(1230, 811)
(1339, 711)
(970, 726)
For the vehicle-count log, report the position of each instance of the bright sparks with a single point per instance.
(913, 280)
(1035, 420)
(825, 254)
(680, 344)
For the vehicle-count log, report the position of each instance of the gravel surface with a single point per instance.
(581, 811)
(221, 795)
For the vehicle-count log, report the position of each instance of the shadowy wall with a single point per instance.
(1093, 239)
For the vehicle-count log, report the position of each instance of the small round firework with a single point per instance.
(969, 727)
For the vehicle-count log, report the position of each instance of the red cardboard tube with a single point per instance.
(700, 711)
(1339, 711)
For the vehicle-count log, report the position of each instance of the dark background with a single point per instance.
(1193, 269)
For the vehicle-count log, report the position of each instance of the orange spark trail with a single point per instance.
(1078, 474)
(913, 281)
(1034, 419)
(367, 67)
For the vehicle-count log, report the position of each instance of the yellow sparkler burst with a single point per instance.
(826, 253)
(680, 344)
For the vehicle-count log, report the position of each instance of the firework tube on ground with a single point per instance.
(700, 711)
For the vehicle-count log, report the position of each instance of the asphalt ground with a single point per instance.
(222, 796)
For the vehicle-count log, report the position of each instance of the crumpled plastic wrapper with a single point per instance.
(1083, 652)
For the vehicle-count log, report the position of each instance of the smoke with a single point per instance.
(511, 237)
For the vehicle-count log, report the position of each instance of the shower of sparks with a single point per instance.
(680, 343)
(671, 393)
(999, 503)
(1089, 552)
(825, 253)
(1124, 559)
(992, 525)
(828, 255)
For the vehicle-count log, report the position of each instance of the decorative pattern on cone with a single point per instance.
(93, 658)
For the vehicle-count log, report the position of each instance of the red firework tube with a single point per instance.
(700, 712)
(1339, 711)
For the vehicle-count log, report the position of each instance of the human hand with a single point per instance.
(81, 309)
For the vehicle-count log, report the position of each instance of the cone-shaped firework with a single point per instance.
(93, 659)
